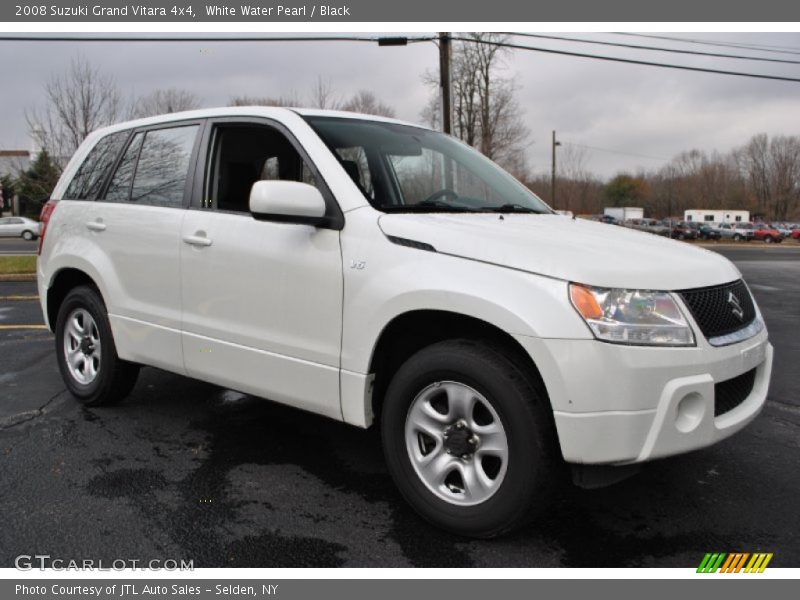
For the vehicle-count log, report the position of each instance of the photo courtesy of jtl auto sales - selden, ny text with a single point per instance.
(372, 299)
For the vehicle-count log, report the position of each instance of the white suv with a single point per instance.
(377, 272)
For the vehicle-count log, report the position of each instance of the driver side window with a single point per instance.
(244, 154)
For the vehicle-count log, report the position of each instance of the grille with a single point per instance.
(731, 393)
(714, 308)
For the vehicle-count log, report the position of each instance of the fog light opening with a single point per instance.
(689, 413)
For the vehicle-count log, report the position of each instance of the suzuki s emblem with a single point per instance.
(736, 306)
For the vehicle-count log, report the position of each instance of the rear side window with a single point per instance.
(119, 190)
(163, 166)
(154, 168)
(88, 180)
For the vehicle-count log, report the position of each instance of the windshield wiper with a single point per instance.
(511, 208)
(427, 206)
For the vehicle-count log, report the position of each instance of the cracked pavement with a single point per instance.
(186, 470)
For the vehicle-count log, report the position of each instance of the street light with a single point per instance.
(553, 180)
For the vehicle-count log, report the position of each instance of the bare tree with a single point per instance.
(162, 102)
(772, 171)
(77, 102)
(486, 113)
(323, 96)
(290, 99)
(365, 101)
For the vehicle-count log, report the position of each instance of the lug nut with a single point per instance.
(465, 456)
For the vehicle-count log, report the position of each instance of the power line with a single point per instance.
(627, 60)
(390, 40)
(657, 49)
(756, 47)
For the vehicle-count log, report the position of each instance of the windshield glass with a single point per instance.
(400, 168)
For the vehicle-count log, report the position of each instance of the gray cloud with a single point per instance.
(639, 110)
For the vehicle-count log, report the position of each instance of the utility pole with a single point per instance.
(445, 82)
(553, 177)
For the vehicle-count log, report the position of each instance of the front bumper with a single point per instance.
(624, 404)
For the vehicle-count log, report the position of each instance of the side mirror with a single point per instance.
(287, 202)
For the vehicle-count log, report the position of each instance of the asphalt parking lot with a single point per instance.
(17, 246)
(185, 470)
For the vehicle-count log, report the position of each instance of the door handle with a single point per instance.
(197, 240)
(97, 225)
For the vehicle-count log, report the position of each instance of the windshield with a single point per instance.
(400, 168)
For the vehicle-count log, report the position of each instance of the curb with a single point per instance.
(18, 277)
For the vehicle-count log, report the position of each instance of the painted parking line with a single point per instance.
(9, 327)
(20, 297)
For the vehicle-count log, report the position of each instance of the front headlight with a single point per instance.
(636, 317)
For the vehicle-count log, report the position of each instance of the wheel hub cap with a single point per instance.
(460, 440)
(456, 443)
(82, 353)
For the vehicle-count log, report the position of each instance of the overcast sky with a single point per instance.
(631, 116)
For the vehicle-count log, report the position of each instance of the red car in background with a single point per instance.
(767, 233)
(796, 234)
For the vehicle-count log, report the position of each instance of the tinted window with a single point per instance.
(244, 154)
(163, 166)
(120, 187)
(94, 170)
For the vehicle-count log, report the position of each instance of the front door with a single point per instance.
(262, 301)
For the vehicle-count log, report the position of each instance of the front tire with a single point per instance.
(468, 439)
(87, 356)
(27, 235)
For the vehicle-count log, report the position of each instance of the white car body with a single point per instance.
(294, 313)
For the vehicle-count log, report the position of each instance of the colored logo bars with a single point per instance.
(721, 562)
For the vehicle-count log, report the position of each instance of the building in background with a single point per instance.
(624, 213)
(717, 216)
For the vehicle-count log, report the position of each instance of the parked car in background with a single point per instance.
(704, 231)
(796, 234)
(767, 233)
(23, 227)
(648, 225)
(785, 229)
(679, 230)
(608, 219)
(735, 231)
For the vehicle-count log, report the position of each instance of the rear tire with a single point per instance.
(87, 356)
(737, 238)
(27, 235)
(478, 487)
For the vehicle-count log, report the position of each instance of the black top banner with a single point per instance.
(276, 11)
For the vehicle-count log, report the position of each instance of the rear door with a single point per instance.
(262, 301)
(137, 224)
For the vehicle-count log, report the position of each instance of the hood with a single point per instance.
(570, 249)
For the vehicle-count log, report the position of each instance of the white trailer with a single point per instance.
(717, 216)
(623, 213)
